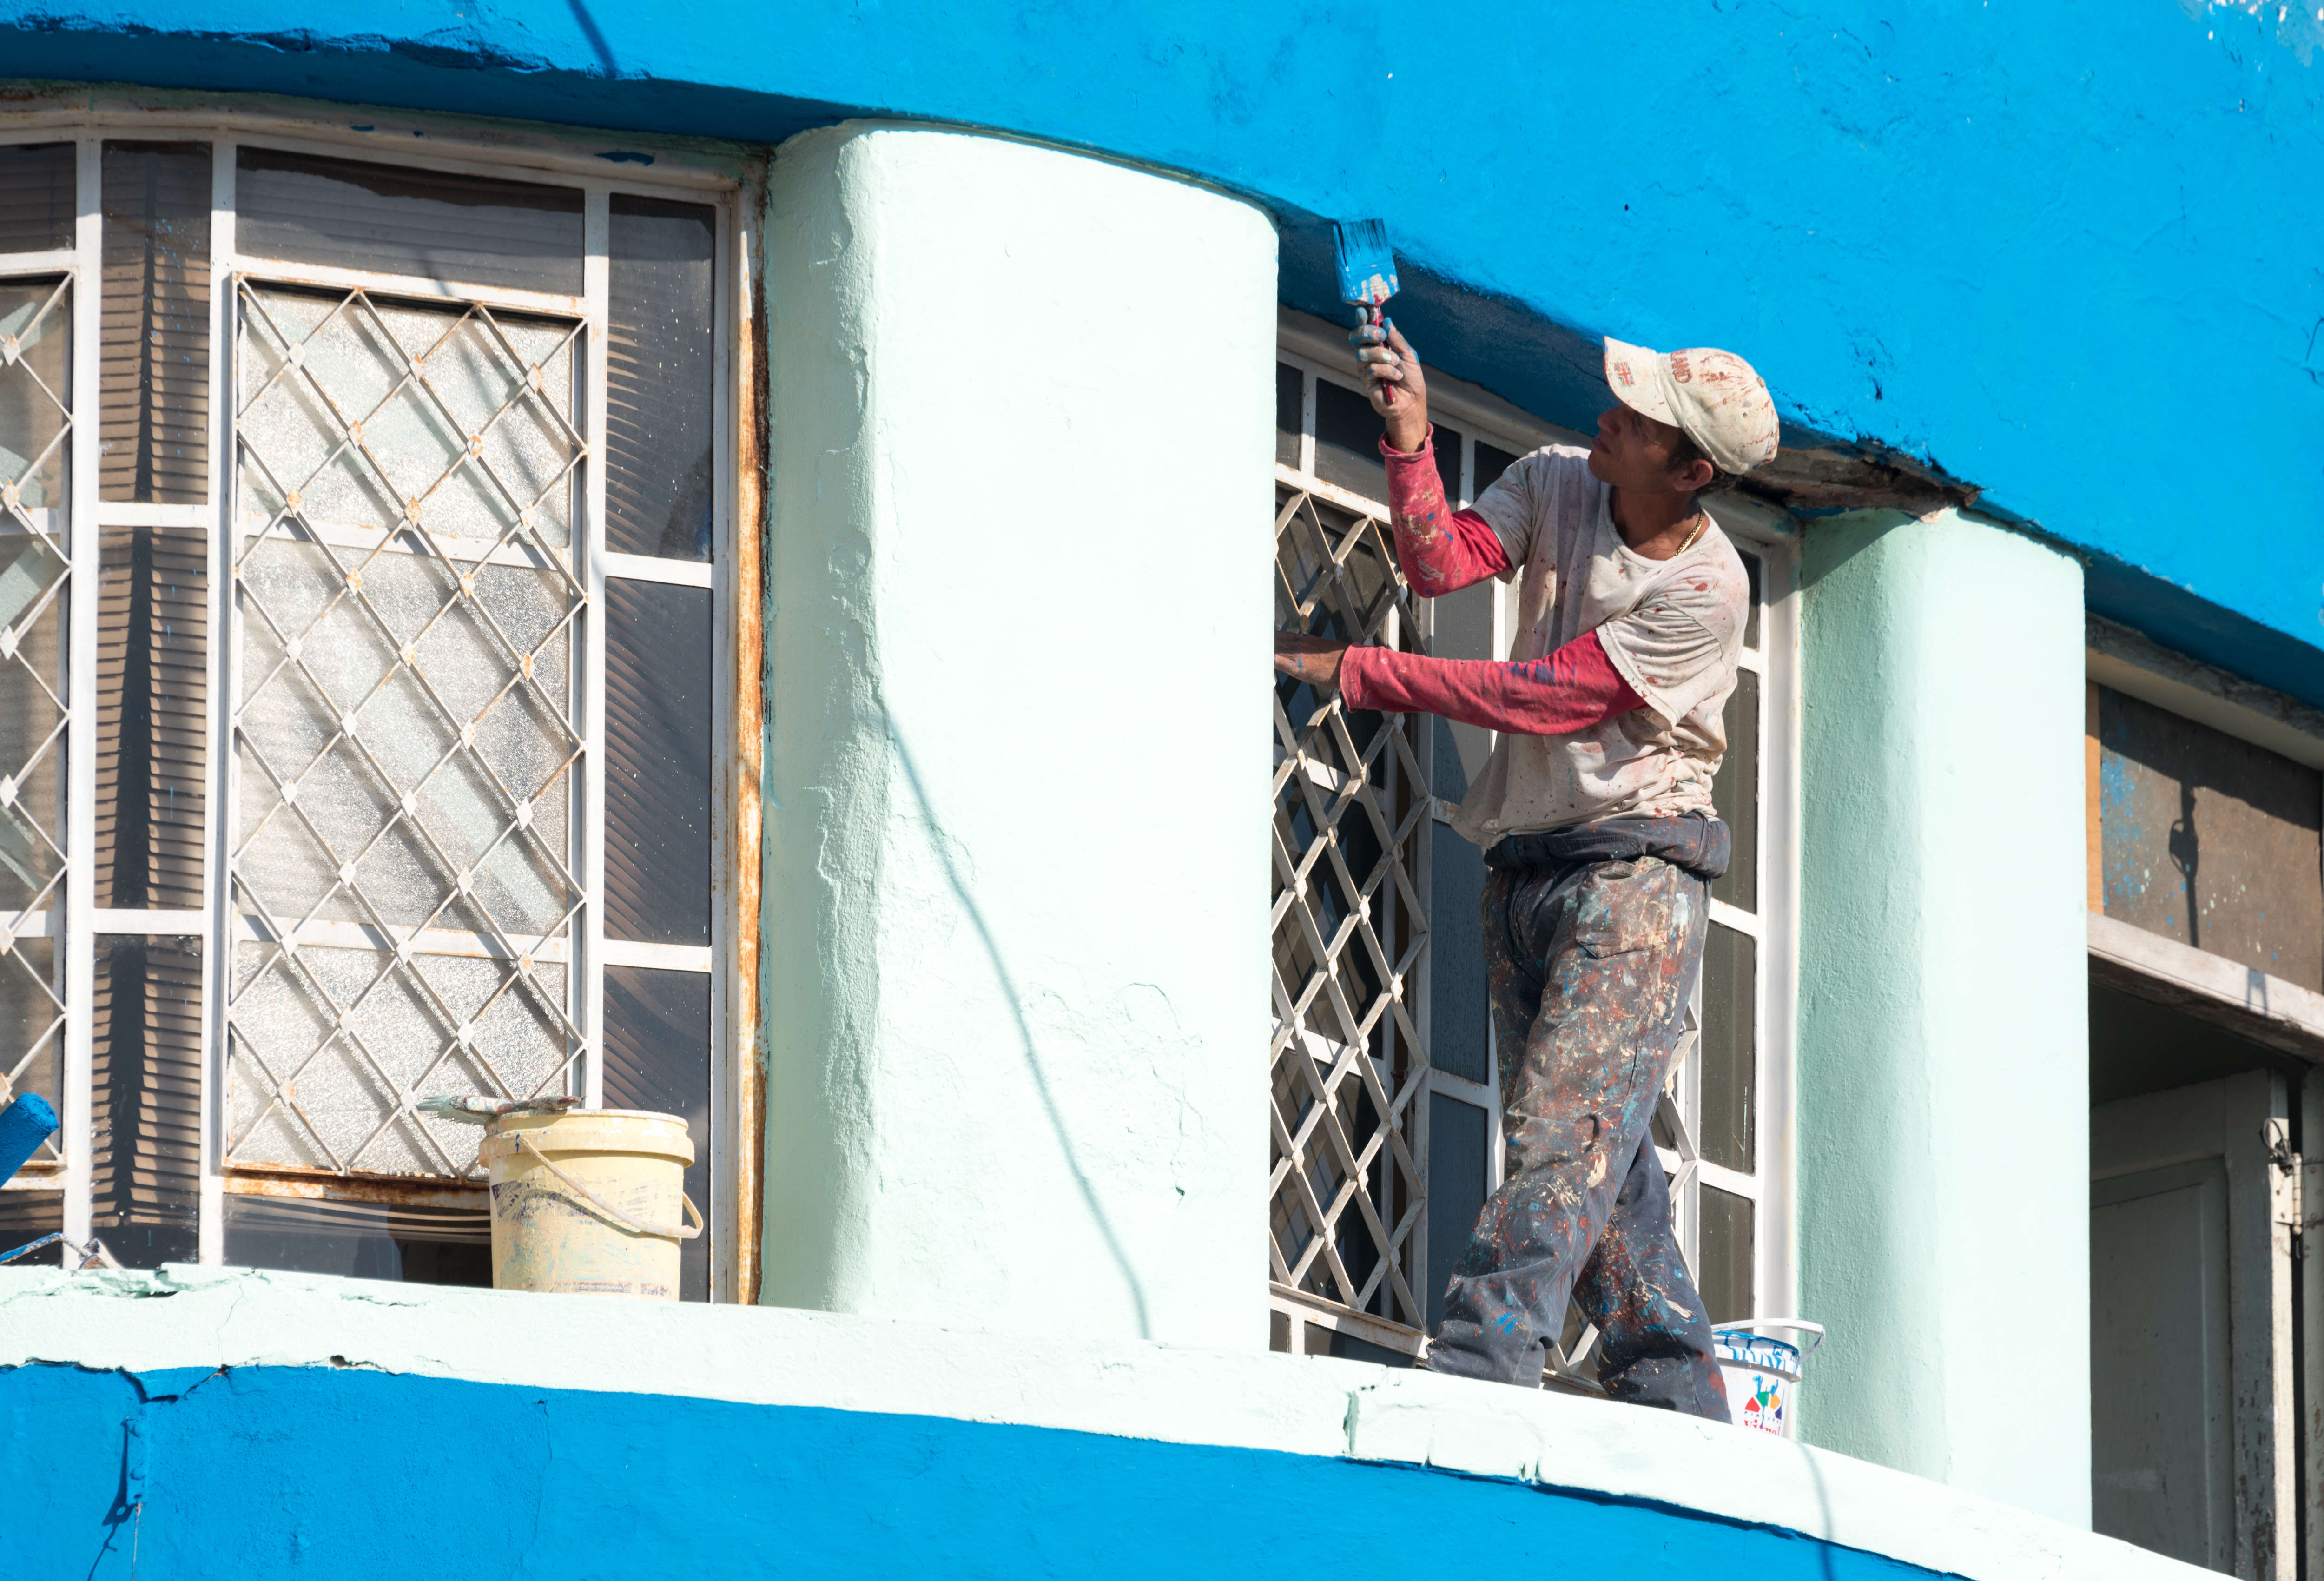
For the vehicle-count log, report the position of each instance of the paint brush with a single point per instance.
(1366, 275)
(1367, 264)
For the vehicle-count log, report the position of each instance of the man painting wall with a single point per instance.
(1595, 814)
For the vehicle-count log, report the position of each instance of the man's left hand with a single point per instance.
(1313, 660)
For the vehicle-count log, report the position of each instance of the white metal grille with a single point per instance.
(1348, 1063)
(36, 429)
(406, 599)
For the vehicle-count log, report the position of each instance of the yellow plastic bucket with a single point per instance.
(588, 1201)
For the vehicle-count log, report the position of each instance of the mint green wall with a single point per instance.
(1016, 962)
(1943, 1047)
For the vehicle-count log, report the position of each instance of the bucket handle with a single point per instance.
(672, 1232)
(1798, 1325)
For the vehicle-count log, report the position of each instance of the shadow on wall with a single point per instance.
(975, 915)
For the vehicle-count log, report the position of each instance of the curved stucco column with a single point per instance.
(1020, 579)
(1943, 1117)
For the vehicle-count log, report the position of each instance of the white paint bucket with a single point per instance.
(588, 1201)
(1763, 1373)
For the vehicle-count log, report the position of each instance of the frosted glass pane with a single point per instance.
(155, 413)
(351, 214)
(145, 1156)
(657, 1058)
(659, 367)
(658, 763)
(32, 1026)
(32, 758)
(35, 394)
(451, 747)
(36, 197)
(329, 1049)
(153, 705)
(483, 447)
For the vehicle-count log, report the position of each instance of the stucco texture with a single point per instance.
(2043, 245)
(203, 1421)
(1943, 1116)
(1016, 955)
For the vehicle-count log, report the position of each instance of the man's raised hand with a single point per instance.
(1393, 380)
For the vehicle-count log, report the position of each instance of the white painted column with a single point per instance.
(1944, 1085)
(1017, 842)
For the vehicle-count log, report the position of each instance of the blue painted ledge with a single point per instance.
(198, 1422)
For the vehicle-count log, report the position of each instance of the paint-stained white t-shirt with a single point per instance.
(1671, 629)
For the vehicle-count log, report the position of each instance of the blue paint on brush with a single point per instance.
(1367, 264)
(24, 1124)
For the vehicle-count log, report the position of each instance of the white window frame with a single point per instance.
(1319, 349)
(728, 182)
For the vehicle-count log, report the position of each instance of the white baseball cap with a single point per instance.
(1714, 395)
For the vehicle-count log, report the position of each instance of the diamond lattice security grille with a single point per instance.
(35, 451)
(405, 479)
(1348, 1066)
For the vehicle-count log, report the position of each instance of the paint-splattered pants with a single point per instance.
(1592, 964)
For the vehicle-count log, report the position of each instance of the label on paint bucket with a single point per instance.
(1761, 1376)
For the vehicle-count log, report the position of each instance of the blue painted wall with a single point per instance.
(2067, 250)
(291, 1471)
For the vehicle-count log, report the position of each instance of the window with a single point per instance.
(1387, 1120)
(365, 558)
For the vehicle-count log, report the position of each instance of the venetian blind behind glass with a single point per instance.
(658, 373)
(153, 706)
(153, 421)
(36, 197)
(657, 1059)
(346, 213)
(658, 758)
(146, 1157)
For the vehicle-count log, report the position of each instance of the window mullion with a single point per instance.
(585, 982)
(75, 1083)
(218, 944)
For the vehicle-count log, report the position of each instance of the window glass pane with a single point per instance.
(659, 366)
(145, 1183)
(1459, 1008)
(360, 1030)
(418, 1245)
(657, 1059)
(1288, 399)
(1725, 1281)
(32, 745)
(1734, 795)
(346, 214)
(152, 704)
(155, 418)
(36, 197)
(2211, 840)
(1754, 570)
(1446, 443)
(25, 1216)
(1729, 1045)
(487, 449)
(1347, 441)
(32, 1030)
(1490, 464)
(658, 758)
(1458, 1136)
(35, 391)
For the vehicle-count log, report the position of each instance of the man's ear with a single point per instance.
(1697, 476)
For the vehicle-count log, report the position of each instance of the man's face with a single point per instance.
(1632, 450)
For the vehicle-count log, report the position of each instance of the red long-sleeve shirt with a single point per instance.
(1441, 550)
